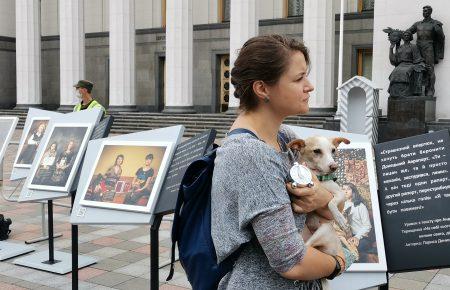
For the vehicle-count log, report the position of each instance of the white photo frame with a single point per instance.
(381, 265)
(9, 124)
(62, 130)
(88, 194)
(25, 137)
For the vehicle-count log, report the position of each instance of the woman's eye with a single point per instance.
(317, 151)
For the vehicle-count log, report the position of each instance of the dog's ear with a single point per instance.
(336, 141)
(297, 144)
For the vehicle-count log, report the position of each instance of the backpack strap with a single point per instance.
(242, 131)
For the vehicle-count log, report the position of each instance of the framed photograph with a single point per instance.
(7, 126)
(29, 144)
(356, 176)
(127, 175)
(57, 164)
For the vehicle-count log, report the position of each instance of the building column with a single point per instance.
(122, 56)
(318, 36)
(243, 25)
(179, 57)
(71, 29)
(28, 53)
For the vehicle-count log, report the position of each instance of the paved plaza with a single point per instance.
(123, 252)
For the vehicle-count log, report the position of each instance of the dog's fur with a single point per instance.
(317, 153)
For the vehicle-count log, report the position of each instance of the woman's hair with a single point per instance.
(56, 146)
(119, 156)
(149, 157)
(356, 196)
(263, 58)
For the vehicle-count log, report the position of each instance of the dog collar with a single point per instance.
(327, 177)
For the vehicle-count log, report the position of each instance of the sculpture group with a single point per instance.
(414, 74)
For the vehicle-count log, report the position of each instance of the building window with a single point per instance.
(293, 8)
(224, 10)
(366, 5)
(364, 63)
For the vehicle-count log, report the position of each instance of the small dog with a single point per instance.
(317, 153)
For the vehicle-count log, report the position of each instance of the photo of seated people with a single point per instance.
(125, 174)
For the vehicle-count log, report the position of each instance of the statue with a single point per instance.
(408, 75)
(431, 43)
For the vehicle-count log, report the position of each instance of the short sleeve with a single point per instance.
(255, 174)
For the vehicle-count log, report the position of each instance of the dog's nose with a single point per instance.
(333, 167)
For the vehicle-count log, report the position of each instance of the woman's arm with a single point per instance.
(364, 219)
(285, 249)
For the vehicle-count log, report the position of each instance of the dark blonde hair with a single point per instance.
(263, 58)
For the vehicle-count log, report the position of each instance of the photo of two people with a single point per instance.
(125, 176)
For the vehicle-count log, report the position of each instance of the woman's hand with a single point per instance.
(307, 199)
(354, 241)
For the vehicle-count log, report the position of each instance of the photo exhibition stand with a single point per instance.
(348, 280)
(167, 197)
(20, 174)
(51, 260)
(10, 249)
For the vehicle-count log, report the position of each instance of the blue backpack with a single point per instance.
(192, 225)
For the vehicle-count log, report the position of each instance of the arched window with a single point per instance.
(294, 8)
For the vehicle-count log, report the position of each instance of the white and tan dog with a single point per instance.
(317, 153)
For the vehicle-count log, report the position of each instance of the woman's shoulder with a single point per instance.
(287, 133)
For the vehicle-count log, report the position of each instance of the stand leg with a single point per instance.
(74, 252)
(154, 253)
(51, 246)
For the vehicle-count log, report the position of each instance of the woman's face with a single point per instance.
(53, 147)
(290, 95)
(347, 191)
(148, 162)
(119, 160)
(41, 128)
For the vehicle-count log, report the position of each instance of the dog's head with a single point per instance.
(318, 153)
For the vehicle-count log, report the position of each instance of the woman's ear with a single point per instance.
(261, 91)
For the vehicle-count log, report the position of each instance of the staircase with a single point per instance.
(129, 122)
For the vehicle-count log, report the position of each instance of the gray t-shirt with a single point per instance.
(250, 203)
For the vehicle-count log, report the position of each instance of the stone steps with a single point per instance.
(129, 122)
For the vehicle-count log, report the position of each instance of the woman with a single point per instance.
(32, 144)
(141, 182)
(46, 167)
(113, 174)
(407, 77)
(359, 219)
(251, 202)
(64, 164)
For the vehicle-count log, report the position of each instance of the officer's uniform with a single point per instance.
(93, 103)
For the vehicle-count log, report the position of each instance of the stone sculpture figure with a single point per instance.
(431, 44)
(407, 77)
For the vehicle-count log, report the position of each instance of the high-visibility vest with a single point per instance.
(93, 104)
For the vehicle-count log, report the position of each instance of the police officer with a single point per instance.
(83, 92)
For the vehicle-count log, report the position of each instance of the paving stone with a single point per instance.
(128, 245)
(109, 264)
(135, 270)
(432, 286)
(441, 280)
(422, 276)
(129, 257)
(445, 271)
(405, 284)
(135, 284)
(28, 285)
(110, 279)
(107, 252)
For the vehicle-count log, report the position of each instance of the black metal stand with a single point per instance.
(154, 252)
(51, 246)
(74, 229)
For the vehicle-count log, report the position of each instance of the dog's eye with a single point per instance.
(317, 151)
(333, 151)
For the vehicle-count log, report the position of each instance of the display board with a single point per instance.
(69, 153)
(414, 179)
(30, 140)
(372, 272)
(7, 126)
(83, 214)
